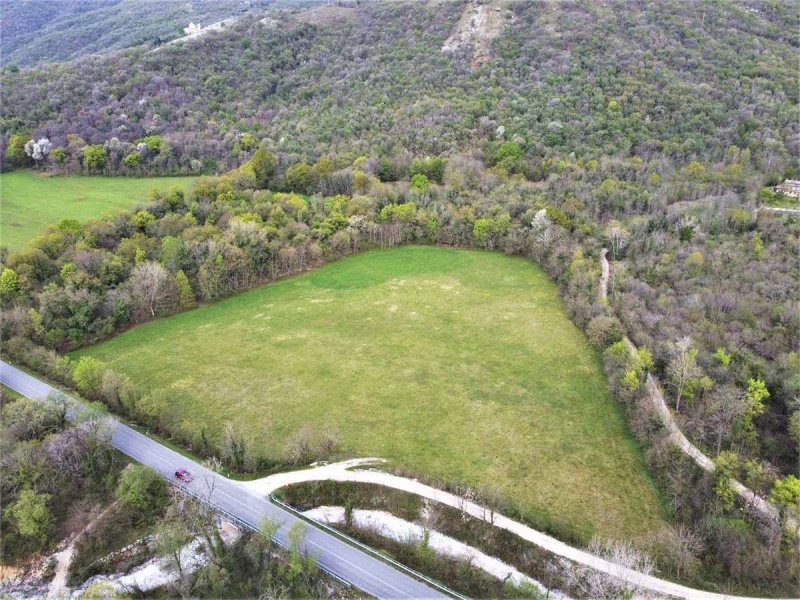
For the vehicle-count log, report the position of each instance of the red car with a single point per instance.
(184, 475)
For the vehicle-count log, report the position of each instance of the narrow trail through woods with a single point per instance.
(676, 436)
(64, 558)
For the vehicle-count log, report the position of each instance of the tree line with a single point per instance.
(722, 344)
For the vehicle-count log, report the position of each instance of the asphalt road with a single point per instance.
(336, 556)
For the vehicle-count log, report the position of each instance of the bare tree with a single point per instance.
(198, 517)
(234, 447)
(682, 368)
(329, 443)
(428, 517)
(466, 496)
(149, 286)
(493, 500)
(618, 238)
(624, 556)
(301, 445)
(66, 451)
(172, 536)
(677, 548)
(213, 464)
(726, 405)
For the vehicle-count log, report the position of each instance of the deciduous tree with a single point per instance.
(186, 297)
(150, 288)
(142, 488)
(94, 157)
(682, 368)
(88, 375)
(32, 515)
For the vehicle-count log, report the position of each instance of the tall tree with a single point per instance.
(32, 515)
(682, 368)
(264, 165)
(186, 297)
(149, 286)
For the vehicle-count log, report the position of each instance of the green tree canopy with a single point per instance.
(786, 492)
(32, 515)
(299, 178)
(264, 164)
(142, 488)
(88, 375)
(94, 157)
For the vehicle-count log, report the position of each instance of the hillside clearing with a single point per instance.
(29, 202)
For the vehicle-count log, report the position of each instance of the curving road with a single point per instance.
(335, 556)
(245, 500)
(348, 470)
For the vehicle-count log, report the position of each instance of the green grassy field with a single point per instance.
(461, 365)
(29, 202)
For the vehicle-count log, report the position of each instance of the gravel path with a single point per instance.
(58, 586)
(395, 528)
(348, 471)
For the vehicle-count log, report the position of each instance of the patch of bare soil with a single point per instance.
(327, 15)
(480, 23)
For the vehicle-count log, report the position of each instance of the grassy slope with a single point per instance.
(29, 202)
(458, 364)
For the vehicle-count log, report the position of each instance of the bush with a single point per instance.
(508, 151)
(88, 376)
(133, 160)
(604, 331)
(40, 359)
(432, 168)
(94, 157)
(142, 488)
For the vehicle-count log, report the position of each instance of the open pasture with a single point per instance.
(29, 202)
(460, 365)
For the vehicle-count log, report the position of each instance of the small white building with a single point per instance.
(790, 187)
(192, 29)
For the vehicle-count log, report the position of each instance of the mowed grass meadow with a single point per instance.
(29, 201)
(460, 365)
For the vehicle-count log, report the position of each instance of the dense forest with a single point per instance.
(668, 82)
(648, 128)
(72, 28)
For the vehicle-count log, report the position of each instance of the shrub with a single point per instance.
(604, 331)
(142, 488)
(133, 160)
(431, 168)
(94, 157)
(88, 376)
(786, 493)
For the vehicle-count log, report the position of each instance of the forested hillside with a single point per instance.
(666, 81)
(548, 130)
(35, 31)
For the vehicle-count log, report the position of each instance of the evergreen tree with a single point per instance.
(186, 297)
